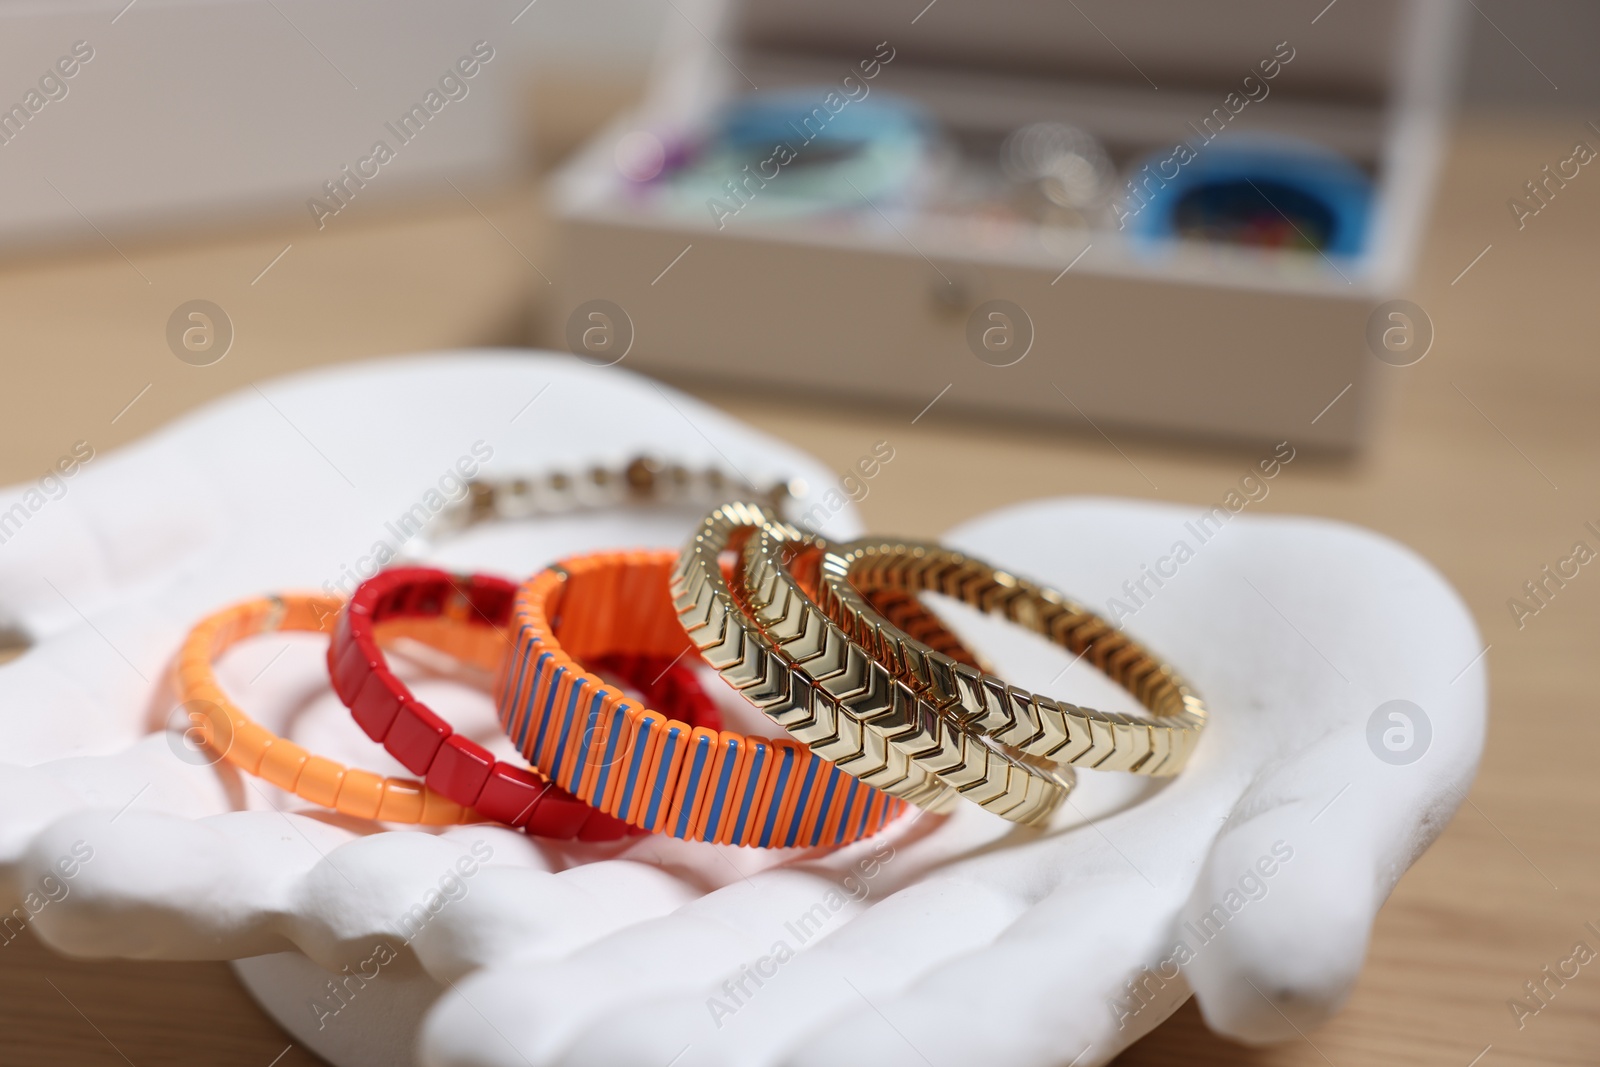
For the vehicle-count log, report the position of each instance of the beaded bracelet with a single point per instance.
(639, 765)
(232, 735)
(466, 617)
(644, 481)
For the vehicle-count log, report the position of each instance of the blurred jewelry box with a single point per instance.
(937, 268)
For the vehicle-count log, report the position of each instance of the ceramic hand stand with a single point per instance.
(1251, 880)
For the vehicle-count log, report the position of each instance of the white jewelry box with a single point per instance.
(1202, 340)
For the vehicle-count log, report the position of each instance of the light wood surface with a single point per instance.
(1487, 466)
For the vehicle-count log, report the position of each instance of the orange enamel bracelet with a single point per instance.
(640, 765)
(232, 735)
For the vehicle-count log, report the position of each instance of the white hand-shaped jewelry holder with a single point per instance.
(1251, 880)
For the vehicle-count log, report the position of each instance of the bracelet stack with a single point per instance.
(878, 708)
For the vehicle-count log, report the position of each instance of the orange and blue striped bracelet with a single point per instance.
(639, 765)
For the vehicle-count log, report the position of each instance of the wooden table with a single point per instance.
(1487, 466)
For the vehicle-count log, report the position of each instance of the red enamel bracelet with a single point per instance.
(468, 616)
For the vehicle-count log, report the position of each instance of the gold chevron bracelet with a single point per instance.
(827, 692)
(1050, 729)
(997, 778)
